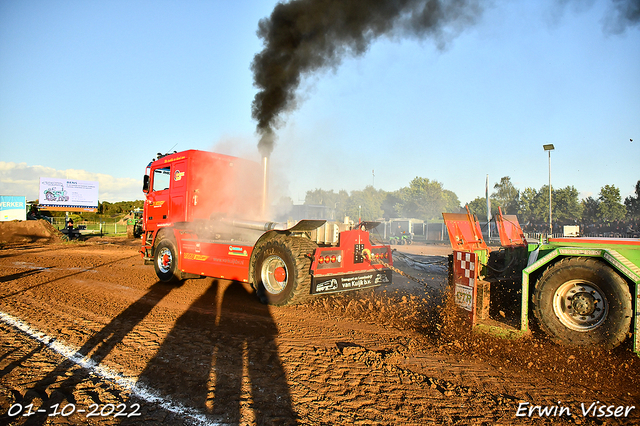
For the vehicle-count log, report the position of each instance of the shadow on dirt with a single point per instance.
(59, 385)
(221, 359)
(20, 249)
(16, 249)
(20, 275)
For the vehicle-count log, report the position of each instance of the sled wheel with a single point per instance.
(281, 275)
(582, 301)
(166, 261)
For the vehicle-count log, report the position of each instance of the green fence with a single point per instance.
(103, 227)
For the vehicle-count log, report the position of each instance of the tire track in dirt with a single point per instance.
(367, 375)
(208, 345)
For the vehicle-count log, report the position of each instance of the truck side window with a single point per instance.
(161, 178)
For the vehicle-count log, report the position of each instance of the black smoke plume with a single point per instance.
(304, 36)
(626, 14)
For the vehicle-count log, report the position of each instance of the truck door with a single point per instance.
(158, 199)
(178, 208)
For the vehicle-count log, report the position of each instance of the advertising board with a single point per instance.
(68, 194)
(12, 208)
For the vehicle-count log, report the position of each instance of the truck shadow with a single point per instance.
(221, 359)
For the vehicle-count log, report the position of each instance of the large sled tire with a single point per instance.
(581, 301)
(282, 272)
(165, 261)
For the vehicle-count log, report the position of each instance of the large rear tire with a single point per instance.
(166, 261)
(282, 272)
(581, 301)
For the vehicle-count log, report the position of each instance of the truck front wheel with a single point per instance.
(582, 301)
(166, 261)
(281, 275)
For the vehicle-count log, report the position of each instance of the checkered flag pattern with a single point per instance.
(465, 268)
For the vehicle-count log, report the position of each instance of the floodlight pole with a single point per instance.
(549, 148)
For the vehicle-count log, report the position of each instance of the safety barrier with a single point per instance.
(93, 227)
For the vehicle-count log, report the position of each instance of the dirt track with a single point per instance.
(88, 323)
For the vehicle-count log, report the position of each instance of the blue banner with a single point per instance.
(13, 208)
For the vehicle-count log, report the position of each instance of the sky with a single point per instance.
(93, 90)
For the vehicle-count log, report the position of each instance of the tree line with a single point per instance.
(532, 206)
(105, 209)
(427, 199)
(422, 199)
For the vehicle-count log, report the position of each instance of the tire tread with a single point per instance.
(613, 339)
(300, 248)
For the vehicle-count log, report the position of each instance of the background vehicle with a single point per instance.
(404, 238)
(204, 216)
(134, 223)
(581, 291)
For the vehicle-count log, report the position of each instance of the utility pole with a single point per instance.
(549, 148)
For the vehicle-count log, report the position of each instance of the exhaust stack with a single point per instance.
(258, 226)
(265, 186)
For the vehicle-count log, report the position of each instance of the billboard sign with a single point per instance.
(68, 195)
(13, 208)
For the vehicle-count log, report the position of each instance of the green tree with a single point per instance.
(451, 203)
(505, 196)
(633, 204)
(366, 203)
(337, 201)
(424, 199)
(478, 207)
(541, 205)
(566, 206)
(320, 197)
(526, 211)
(103, 207)
(610, 208)
(390, 204)
(590, 210)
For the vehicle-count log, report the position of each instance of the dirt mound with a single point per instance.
(28, 231)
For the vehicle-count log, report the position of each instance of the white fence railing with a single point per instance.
(534, 236)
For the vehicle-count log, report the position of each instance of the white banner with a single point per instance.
(12, 208)
(67, 194)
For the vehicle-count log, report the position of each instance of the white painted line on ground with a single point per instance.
(137, 389)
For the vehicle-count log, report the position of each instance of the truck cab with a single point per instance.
(197, 185)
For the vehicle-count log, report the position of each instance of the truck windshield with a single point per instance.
(161, 178)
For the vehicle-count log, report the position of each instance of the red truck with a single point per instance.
(203, 217)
